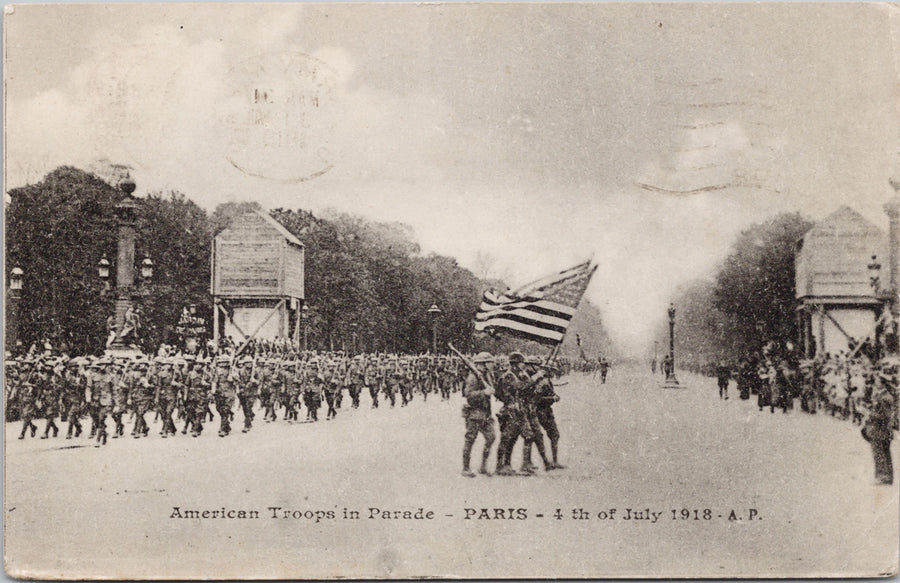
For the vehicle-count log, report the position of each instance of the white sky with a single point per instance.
(525, 131)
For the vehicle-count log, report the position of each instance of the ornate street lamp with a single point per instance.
(671, 381)
(103, 268)
(147, 269)
(435, 313)
(14, 296)
(16, 277)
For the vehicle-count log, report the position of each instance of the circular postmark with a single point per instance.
(277, 116)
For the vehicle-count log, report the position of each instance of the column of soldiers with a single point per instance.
(190, 390)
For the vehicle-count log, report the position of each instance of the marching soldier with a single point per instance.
(50, 394)
(545, 397)
(246, 384)
(74, 386)
(371, 376)
(266, 380)
(332, 389)
(512, 419)
(102, 394)
(142, 397)
(291, 386)
(224, 393)
(168, 387)
(313, 384)
(392, 377)
(26, 394)
(477, 413)
(356, 379)
(196, 396)
(121, 391)
(536, 376)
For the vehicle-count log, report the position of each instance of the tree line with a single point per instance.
(368, 285)
(747, 303)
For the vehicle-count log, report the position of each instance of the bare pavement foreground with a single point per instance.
(788, 495)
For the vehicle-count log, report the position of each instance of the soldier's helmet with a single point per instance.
(516, 357)
(483, 358)
(535, 360)
(224, 359)
(246, 360)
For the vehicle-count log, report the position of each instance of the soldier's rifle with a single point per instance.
(472, 367)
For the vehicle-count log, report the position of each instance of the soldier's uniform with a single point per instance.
(102, 395)
(512, 417)
(194, 397)
(167, 387)
(123, 381)
(26, 396)
(313, 384)
(292, 381)
(356, 378)
(530, 400)
(332, 388)
(370, 379)
(74, 386)
(265, 378)
(247, 385)
(545, 397)
(142, 398)
(477, 414)
(51, 392)
(224, 393)
(392, 379)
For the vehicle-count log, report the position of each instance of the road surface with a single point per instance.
(787, 495)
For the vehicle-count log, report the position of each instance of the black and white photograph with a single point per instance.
(451, 290)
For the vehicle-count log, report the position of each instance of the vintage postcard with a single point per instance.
(451, 290)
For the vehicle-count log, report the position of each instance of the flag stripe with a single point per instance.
(533, 337)
(525, 319)
(551, 309)
(523, 327)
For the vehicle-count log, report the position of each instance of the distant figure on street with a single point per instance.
(723, 374)
(604, 369)
(667, 366)
(653, 366)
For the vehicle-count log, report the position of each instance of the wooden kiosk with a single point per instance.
(257, 280)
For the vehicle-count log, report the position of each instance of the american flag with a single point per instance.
(540, 311)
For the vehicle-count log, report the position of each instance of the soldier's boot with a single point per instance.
(554, 450)
(69, 431)
(22, 435)
(539, 443)
(77, 429)
(46, 433)
(484, 460)
(527, 466)
(503, 460)
(467, 456)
